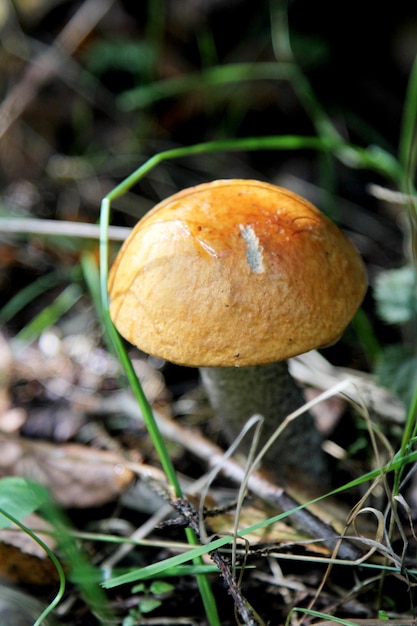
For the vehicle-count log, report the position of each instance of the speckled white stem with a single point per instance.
(237, 393)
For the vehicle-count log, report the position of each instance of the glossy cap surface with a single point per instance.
(234, 272)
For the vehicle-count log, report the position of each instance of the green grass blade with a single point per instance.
(409, 120)
(319, 614)
(29, 293)
(51, 556)
(147, 413)
(157, 569)
(50, 314)
(78, 567)
(227, 74)
(372, 158)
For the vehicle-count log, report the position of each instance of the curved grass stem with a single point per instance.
(146, 410)
(51, 556)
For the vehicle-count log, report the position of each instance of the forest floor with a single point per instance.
(72, 127)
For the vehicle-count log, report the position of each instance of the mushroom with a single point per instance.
(235, 277)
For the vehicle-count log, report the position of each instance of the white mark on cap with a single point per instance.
(254, 250)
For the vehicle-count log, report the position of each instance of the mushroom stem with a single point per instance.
(237, 393)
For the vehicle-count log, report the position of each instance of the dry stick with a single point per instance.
(214, 456)
(46, 65)
(153, 476)
(190, 515)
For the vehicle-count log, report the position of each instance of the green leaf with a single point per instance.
(396, 295)
(19, 498)
(148, 604)
(160, 587)
(397, 370)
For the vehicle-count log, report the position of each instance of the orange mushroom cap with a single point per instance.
(234, 273)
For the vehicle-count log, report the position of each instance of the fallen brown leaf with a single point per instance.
(75, 475)
(22, 559)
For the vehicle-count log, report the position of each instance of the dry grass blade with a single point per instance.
(256, 483)
(47, 65)
(314, 370)
(370, 622)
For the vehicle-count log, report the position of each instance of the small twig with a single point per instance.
(192, 519)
